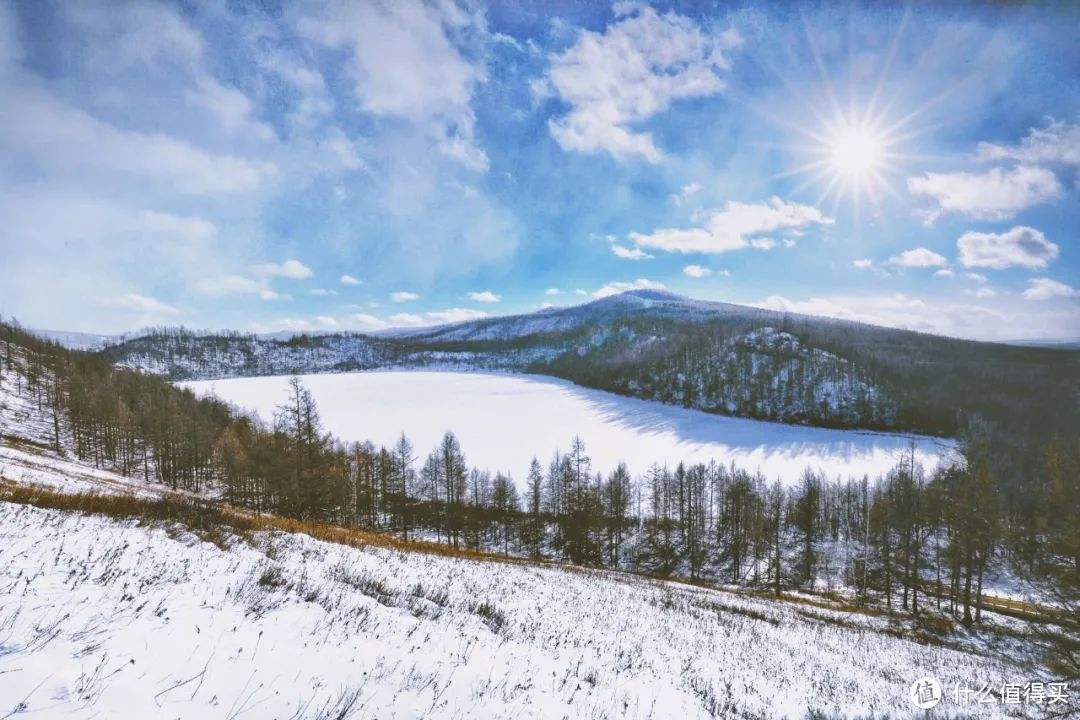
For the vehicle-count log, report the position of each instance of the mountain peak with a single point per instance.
(650, 294)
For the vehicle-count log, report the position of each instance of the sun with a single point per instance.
(856, 152)
(852, 156)
(848, 142)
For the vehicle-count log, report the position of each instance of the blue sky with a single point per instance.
(359, 165)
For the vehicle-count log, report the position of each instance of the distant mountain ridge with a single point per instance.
(713, 356)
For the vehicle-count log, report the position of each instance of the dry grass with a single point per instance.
(215, 520)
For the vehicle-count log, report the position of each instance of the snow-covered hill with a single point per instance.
(184, 355)
(104, 618)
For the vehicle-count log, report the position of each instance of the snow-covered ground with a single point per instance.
(504, 420)
(102, 618)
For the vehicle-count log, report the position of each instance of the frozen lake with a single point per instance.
(502, 421)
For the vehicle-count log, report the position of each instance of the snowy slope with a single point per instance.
(504, 420)
(105, 619)
(27, 449)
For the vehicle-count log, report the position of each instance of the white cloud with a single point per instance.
(228, 285)
(232, 109)
(485, 297)
(404, 63)
(139, 303)
(401, 319)
(364, 321)
(154, 118)
(991, 318)
(1021, 246)
(897, 310)
(1058, 142)
(341, 152)
(68, 142)
(298, 324)
(982, 292)
(268, 294)
(350, 280)
(188, 229)
(224, 285)
(1048, 289)
(863, 263)
(403, 296)
(762, 243)
(919, 257)
(323, 292)
(734, 227)
(686, 192)
(696, 271)
(453, 315)
(144, 34)
(994, 195)
(434, 317)
(630, 253)
(293, 269)
(866, 309)
(614, 288)
(636, 68)
(326, 321)
(552, 291)
(944, 272)
(581, 292)
(976, 277)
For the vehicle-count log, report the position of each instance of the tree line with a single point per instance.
(906, 540)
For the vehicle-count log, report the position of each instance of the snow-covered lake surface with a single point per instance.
(504, 420)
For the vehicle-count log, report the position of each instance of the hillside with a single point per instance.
(121, 618)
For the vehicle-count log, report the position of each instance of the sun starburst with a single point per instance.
(849, 146)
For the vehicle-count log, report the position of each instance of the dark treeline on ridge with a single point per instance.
(908, 540)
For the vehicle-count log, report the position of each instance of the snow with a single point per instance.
(107, 619)
(27, 449)
(503, 420)
(34, 468)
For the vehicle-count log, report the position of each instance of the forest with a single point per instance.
(906, 542)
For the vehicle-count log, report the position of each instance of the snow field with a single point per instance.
(503, 420)
(106, 619)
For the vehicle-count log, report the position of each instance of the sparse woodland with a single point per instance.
(909, 541)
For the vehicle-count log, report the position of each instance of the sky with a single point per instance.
(322, 165)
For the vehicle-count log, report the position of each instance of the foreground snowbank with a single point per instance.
(103, 618)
